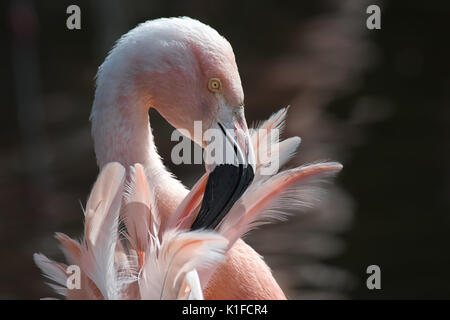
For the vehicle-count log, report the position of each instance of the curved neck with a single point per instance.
(121, 132)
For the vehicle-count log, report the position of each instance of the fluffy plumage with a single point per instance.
(167, 264)
(163, 263)
(165, 268)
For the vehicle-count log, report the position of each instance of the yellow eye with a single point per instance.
(215, 85)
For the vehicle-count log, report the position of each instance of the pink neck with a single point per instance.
(122, 133)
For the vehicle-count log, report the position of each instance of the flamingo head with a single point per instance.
(188, 73)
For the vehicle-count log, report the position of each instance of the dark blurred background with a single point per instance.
(376, 100)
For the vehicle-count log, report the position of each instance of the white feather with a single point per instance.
(193, 281)
(166, 265)
(288, 191)
(140, 213)
(101, 230)
(52, 270)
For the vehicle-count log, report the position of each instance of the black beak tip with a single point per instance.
(225, 185)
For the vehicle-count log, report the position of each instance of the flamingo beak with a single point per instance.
(230, 162)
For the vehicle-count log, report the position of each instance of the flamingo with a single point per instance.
(178, 243)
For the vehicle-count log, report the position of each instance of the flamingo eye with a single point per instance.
(215, 85)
